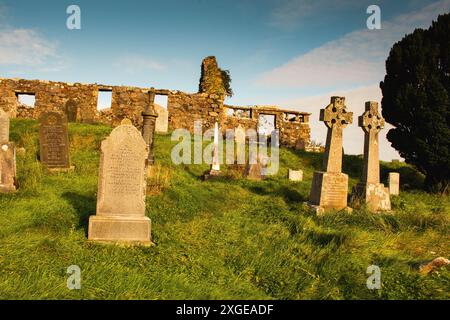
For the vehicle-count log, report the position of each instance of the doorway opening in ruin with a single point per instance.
(104, 99)
(26, 99)
(266, 124)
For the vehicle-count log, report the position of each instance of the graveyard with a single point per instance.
(225, 238)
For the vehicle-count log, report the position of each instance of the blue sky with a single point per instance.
(292, 53)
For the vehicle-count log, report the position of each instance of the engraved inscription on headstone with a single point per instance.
(121, 188)
(54, 141)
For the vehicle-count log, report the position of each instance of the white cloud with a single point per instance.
(355, 59)
(134, 64)
(353, 135)
(25, 47)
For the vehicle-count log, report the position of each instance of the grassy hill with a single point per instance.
(225, 239)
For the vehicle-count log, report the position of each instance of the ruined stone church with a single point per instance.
(79, 102)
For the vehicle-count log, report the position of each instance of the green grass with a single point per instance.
(224, 239)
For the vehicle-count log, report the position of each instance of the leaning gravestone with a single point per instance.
(329, 187)
(121, 189)
(370, 190)
(394, 183)
(7, 157)
(54, 141)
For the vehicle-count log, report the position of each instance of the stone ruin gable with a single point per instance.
(293, 125)
(127, 102)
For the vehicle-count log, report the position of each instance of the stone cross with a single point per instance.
(371, 122)
(148, 126)
(121, 188)
(54, 141)
(329, 188)
(336, 118)
(372, 193)
(4, 127)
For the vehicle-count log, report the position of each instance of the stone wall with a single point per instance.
(79, 102)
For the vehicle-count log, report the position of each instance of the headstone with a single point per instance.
(215, 166)
(329, 187)
(121, 189)
(239, 138)
(4, 127)
(71, 110)
(7, 157)
(394, 183)
(370, 190)
(7, 168)
(162, 122)
(54, 141)
(295, 175)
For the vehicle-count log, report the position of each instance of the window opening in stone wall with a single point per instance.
(104, 99)
(161, 100)
(26, 99)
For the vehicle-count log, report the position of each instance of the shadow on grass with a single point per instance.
(84, 205)
(290, 195)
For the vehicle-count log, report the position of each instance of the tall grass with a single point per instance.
(224, 239)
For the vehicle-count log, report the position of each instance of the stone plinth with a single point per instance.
(7, 168)
(394, 183)
(375, 195)
(329, 190)
(121, 190)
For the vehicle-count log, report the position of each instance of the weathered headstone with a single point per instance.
(370, 190)
(215, 165)
(7, 157)
(4, 127)
(329, 187)
(54, 141)
(394, 183)
(121, 189)
(162, 122)
(71, 109)
(239, 138)
(295, 175)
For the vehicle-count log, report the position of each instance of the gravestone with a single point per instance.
(239, 138)
(4, 127)
(54, 141)
(394, 183)
(329, 187)
(295, 175)
(215, 165)
(7, 157)
(162, 122)
(370, 190)
(121, 189)
(71, 109)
